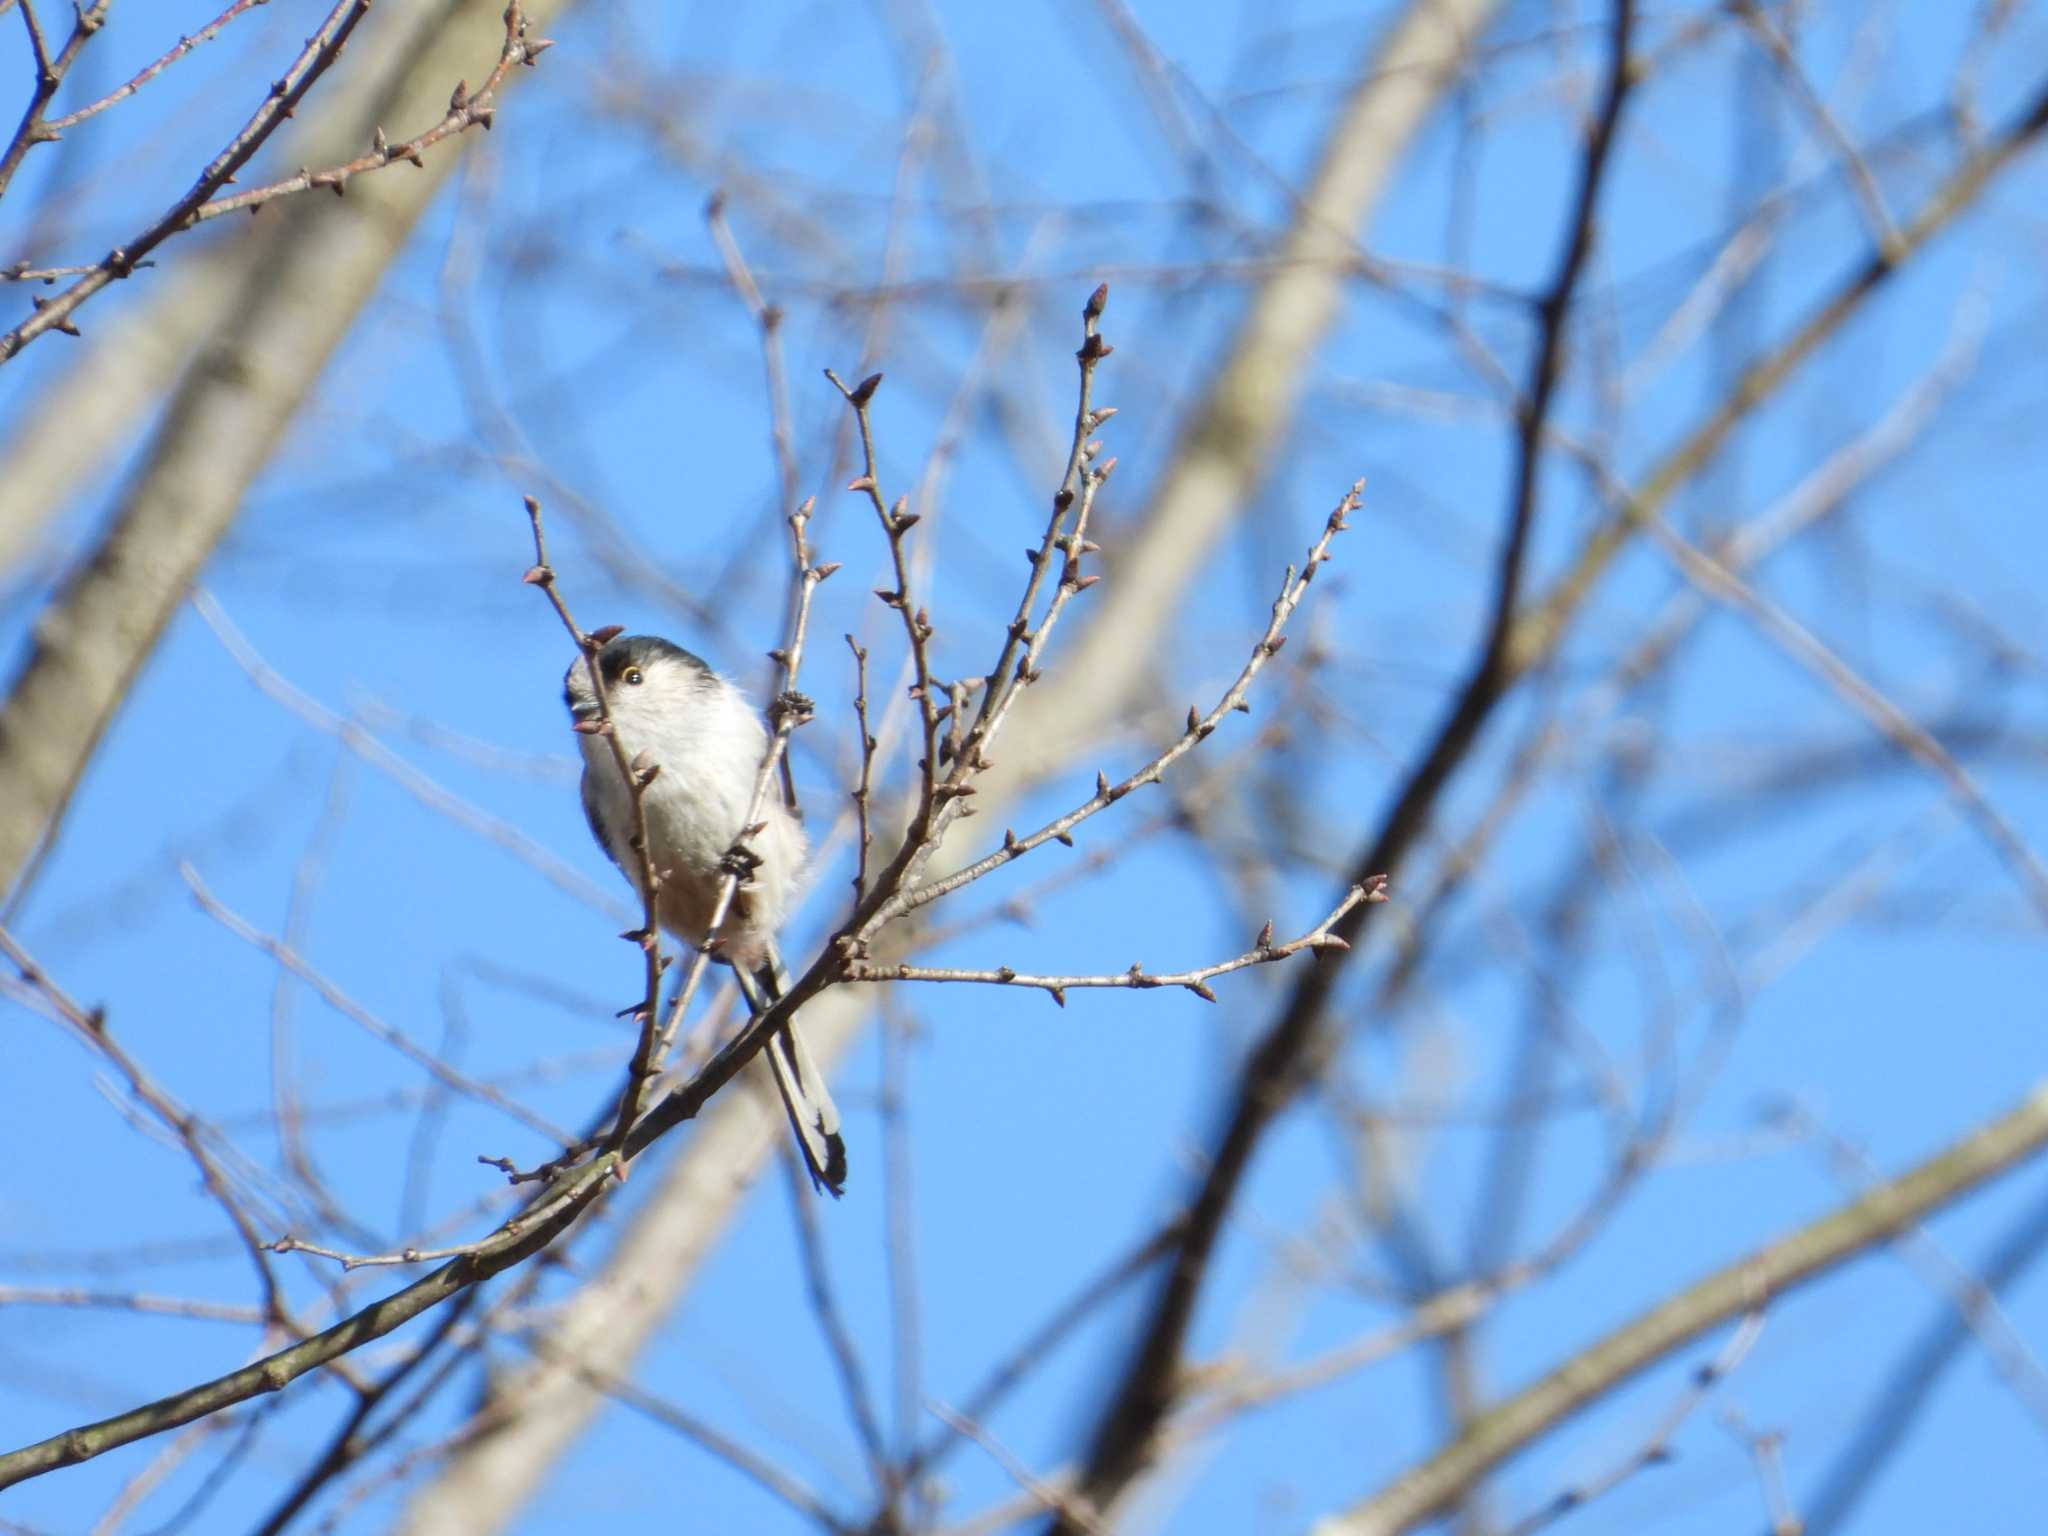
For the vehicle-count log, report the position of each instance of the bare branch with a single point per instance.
(1845, 1233)
(1195, 981)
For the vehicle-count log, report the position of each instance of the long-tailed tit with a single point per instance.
(708, 742)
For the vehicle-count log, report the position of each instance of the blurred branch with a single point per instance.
(551, 867)
(89, 1027)
(283, 99)
(1287, 1056)
(349, 1008)
(517, 1240)
(1246, 409)
(1149, 1382)
(1744, 1286)
(1912, 1385)
(300, 298)
(1224, 452)
(1656, 1447)
(1900, 729)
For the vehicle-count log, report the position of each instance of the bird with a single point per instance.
(670, 711)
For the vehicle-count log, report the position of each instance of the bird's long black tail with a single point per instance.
(812, 1114)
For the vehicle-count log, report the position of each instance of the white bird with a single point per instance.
(707, 742)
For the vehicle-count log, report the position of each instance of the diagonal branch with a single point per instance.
(1123, 1439)
(49, 72)
(1813, 1250)
(286, 94)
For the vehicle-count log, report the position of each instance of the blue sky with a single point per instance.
(376, 568)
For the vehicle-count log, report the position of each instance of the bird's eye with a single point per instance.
(633, 676)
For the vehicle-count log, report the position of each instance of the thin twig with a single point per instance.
(323, 48)
(1718, 582)
(863, 789)
(787, 711)
(1072, 1507)
(896, 524)
(349, 1008)
(49, 76)
(839, 1342)
(637, 776)
(1293, 587)
(130, 1301)
(1656, 1447)
(149, 72)
(89, 1027)
(1265, 952)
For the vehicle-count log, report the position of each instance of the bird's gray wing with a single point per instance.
(590, 814)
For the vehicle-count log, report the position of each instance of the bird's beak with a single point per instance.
(583, 711)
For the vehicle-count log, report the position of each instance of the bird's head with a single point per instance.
(645, 678)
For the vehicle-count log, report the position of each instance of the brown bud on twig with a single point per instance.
(861, 483)
(820, 572)
(1265, 939)
(1064, 839)
(1058, 995)
(1201, 990)
(905, 521)
(538, 576)
(607, 634)
(864, 391)
(1092, 310)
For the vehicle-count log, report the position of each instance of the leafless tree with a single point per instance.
(1414, 694)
